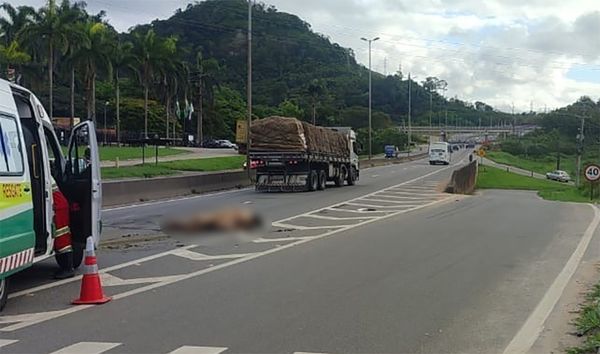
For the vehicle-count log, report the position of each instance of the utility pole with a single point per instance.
(409, 109)
(249, 89)
(514, 119)
(200, 116)
(580, 138)
(370, 95)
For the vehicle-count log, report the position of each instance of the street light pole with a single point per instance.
(370, 95)
(409, 109)
(249, 89)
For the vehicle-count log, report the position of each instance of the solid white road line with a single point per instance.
(196, 256)
(87, 348)
(531, 329)
(280, 239)
(360, 211)
(5, 342)
(397, 202)
(187, 349)
(103, 270)
(327, 217)
(112, 280)
(393, 207)
(300, 227)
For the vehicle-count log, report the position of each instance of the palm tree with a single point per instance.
(17, 18)
(122, 60)
(93, 56)
(152, 52)
(12, 55)
(76, 38)
(50, 27)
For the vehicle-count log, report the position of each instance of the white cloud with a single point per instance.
(498, 51)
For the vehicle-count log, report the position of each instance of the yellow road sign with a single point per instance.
(240, 132)
(481, 152)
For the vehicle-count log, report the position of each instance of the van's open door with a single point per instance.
(83, 185)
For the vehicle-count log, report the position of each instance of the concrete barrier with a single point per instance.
(463, 180)
(136, 190)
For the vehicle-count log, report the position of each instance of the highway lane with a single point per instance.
(130, 225)
(427, 273)
(145, 218)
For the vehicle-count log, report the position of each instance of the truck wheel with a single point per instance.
(322, 180)
(3, 292)
(339, 180)
(313, 181)
(352, 177)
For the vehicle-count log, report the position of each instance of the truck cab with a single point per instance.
(31, 161)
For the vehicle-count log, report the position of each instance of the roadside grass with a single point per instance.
(541, 165)
(495, 178)
(110, 153)
(151, 170)
(588, 324)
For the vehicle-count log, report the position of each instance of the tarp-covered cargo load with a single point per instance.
(278, 134)
(290, 134)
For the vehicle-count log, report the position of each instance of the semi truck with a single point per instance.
(290, 155)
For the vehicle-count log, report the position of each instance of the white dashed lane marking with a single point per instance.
(87, 348)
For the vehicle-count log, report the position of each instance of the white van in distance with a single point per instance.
(439, 153)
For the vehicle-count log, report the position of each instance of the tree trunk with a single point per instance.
(167, 111)
(118, 103)
(199, 136)
(94, 98)
(314, 112)
(50, 77)
(146, 110)
(72, 120)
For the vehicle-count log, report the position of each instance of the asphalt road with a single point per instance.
(392, 265)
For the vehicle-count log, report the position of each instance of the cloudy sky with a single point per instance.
(544, 53)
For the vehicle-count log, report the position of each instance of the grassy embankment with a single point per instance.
(150, 170)
(588, 324)
(495, 178)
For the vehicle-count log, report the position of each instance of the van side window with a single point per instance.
(11, 151)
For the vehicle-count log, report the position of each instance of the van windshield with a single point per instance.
(437, 150)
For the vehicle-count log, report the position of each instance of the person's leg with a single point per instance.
(62, 237)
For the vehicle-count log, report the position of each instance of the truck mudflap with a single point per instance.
(281, 183)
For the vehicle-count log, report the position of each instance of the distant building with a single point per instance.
(64, 123)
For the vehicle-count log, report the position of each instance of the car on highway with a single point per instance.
(558, 175)
(439, 153)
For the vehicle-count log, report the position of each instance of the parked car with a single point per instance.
(558, 175)
(227, 144)
(211, 144)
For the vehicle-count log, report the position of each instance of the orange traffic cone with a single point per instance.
(91, 288)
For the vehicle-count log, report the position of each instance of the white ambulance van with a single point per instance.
(30, 158)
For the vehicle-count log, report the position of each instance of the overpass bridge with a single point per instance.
(468, 130)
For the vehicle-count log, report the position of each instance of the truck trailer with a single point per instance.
(291, 155)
